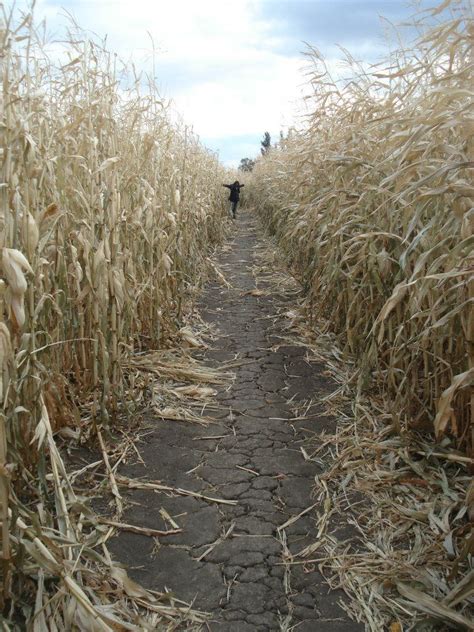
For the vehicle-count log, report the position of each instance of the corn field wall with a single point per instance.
(108, 210)
(373, 204)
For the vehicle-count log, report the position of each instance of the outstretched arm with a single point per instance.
(241, 185)
(227, 185)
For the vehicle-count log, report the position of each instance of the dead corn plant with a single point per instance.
(108, 211)
(373, 203)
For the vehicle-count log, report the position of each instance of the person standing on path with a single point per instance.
(234, 196)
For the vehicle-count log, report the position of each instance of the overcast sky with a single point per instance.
(233, 68)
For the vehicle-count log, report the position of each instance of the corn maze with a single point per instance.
(111, 216)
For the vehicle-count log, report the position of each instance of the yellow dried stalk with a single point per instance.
(108, 211)
(373, 203)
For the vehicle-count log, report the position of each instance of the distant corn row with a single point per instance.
(107, 212)
(373, 202)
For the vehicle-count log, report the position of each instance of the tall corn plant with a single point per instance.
(107, 213)
(373, 202)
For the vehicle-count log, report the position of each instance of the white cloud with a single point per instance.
(220, 62)
(251, 100)
(215, 60)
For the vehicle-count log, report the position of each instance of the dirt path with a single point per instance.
(242, 580)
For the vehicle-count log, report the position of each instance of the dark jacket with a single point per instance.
(234, 191)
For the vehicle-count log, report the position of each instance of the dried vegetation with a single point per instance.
(372, 202)
(393, 512)
(108, 210)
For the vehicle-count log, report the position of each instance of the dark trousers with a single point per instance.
(233, 208)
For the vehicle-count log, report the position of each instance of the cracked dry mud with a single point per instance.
(242, 581)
